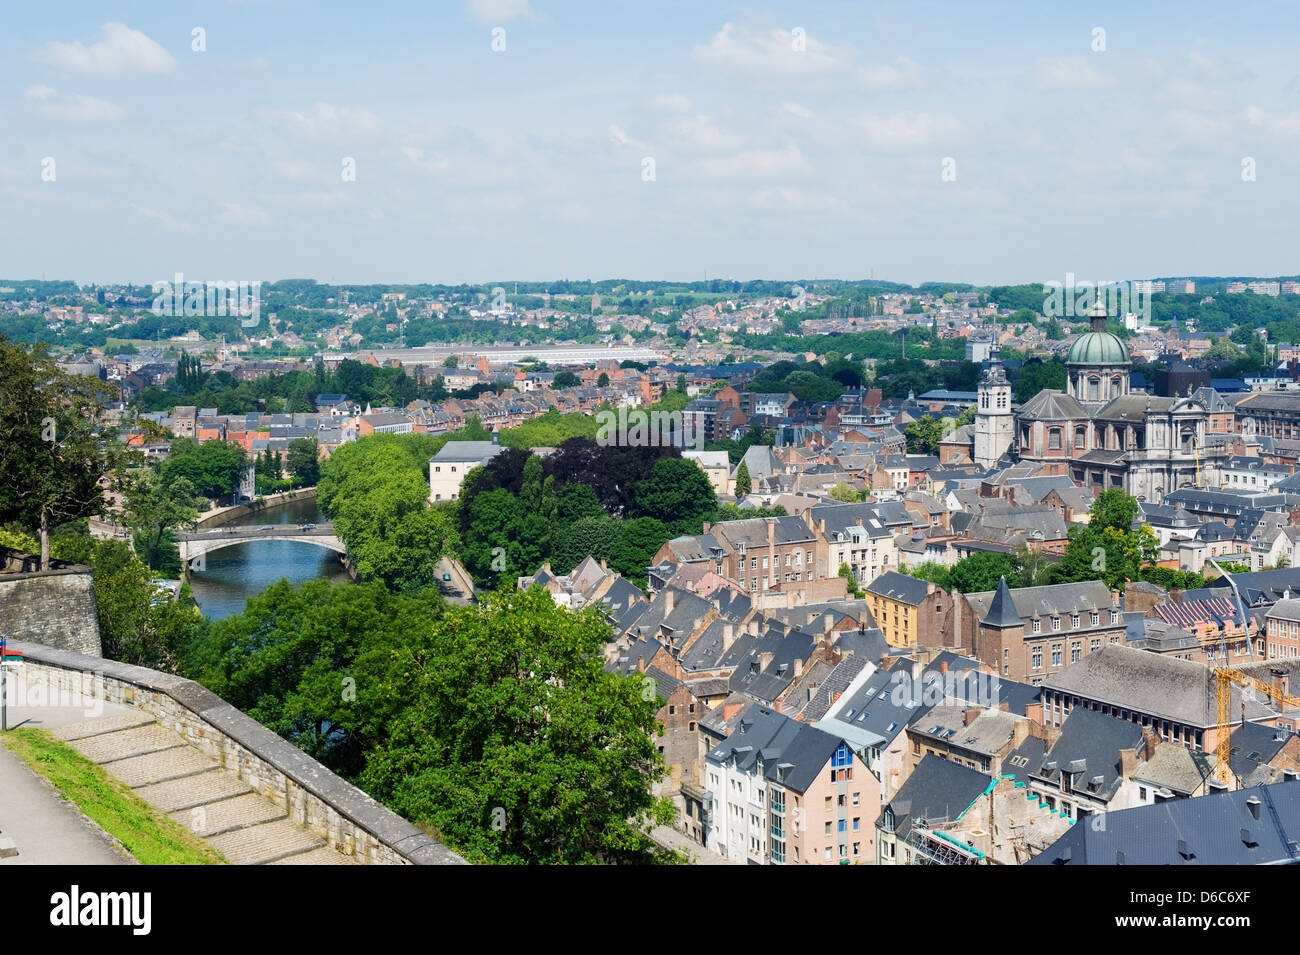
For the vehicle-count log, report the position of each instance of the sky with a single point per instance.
(489, 140)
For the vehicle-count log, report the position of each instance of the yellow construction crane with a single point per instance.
(1225, 677)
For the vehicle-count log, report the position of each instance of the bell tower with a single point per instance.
(995, 425)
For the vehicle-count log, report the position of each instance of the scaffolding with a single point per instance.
(936, 848)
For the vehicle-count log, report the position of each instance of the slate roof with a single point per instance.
(1002, 611)
(790, 752)
(1088, 749)
(900, 587)
(1051, 405)
(1207, 830)
(1151, 683)
(939, 790)
(1054, 599)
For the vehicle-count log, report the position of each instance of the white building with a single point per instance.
(447, 468)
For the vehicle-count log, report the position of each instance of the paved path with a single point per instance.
(164, 771)
(46, 829)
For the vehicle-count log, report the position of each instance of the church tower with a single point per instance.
(995, 425)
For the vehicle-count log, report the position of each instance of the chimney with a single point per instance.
(728, 635)
(943, 667)
(668, 601)
(1128, 760)
(764, 659)
(1150, 741)
(798, 668)
(1278, 678)
(1019, 732)
(1252, 805)
(705, 530)
(640, 664)
(970, 715)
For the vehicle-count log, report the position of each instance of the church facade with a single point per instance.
(1096, 432)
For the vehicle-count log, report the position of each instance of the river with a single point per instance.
(236, 573)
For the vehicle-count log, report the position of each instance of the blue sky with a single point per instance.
(789, 140)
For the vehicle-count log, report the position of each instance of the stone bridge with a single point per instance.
(196, 545)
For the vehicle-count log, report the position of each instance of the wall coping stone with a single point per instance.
(387, 826)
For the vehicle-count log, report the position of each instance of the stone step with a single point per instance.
(8, 848)
(101, 725)
(122, 744)
(227, 815)
(267, 842)
(195, 790)
(322, 856)
(160, 767)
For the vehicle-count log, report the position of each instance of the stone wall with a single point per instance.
(55, 608)
(312, 795)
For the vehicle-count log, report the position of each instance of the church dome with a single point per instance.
(1097, 348)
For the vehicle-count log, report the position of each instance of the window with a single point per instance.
(1056, 654)
(672, 711)
(1038, 625)
(1074, 621)
(1076, 651)
(857, 823)
(691, 728)
(828, 854)
(828, 829)
(1096, 619)
(828, 804)
(1038, 658)
(856, 798)
(1056, 623)
(844, 825)
(1054, 439)
(1095, 645)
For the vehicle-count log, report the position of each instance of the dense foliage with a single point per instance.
(494, 726)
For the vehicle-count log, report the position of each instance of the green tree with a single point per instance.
(677, 492)
(212, 468)
(923, 435)
(495, 726)
(1109, 547)
(565, 379)
(981, 571)
(304, 460)
(602, 381)
(851, 582)
(52, 455)
(743, 484)
(153, 511)
(681, 383)
(843, 492)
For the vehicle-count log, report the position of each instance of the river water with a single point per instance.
(240, 571)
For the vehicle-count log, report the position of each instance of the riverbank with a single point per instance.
(226, 515)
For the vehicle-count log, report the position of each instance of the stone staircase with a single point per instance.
(197, 792)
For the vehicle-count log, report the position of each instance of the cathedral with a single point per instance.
(1096, 432)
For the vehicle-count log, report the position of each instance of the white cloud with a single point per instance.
(907, 130)
(433, 164)
(122, 50)
(327, 122)
(235, 214)
(498, 11)
(792, 110)
(755, 164)
(165, 219)
(71, 107)
(1070, 73)
(903, 74)
(774, 52)
(701, 132)
(617, 135)
(1282, 125)
(671, 103)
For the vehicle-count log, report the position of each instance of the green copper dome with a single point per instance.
(1097, 348)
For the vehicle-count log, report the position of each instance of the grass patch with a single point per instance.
(146, 833)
